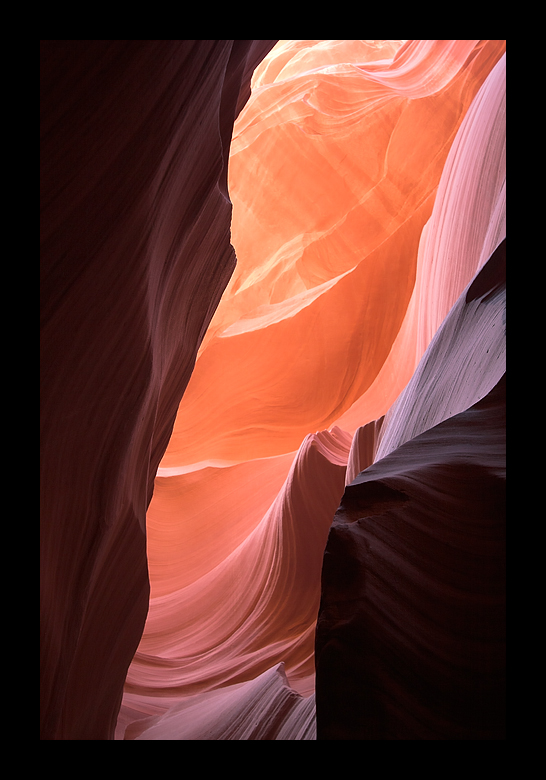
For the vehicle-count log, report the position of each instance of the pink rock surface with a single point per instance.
(257, 604)
(411, 629)
(367, 181)
(263, 708)
(465, 359)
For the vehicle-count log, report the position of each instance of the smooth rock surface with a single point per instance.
(264, 708)
(363, 313)
(334, 173)
(410, 637)
(411, 629)
(135, 254)
(260, 602)
(224, 482)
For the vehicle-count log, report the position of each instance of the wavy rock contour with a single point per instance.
(292, 345)
(333, 176)
(367, 180)
(135, 254)
(411, 629)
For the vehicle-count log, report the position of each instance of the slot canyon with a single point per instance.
(273, 371)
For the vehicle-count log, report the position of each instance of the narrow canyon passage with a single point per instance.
(365, 310)
(329, 211)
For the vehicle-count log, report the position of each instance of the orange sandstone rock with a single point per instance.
(348, 170)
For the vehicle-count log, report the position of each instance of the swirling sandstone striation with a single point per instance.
(333, 176)
(293, 338)
(262, 708)
(410, 640)
(464, 360)
(259, 603)
(135, 256)
(367, 180)
(411, 631)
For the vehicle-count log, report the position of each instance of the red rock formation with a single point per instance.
(260, 601)
(333, 175)
(135, 256)
(367, 180)
(411, 630)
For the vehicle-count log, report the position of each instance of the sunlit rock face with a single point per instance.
(368, 186)
(262, 708)
(333, 176)
(135, 255)
(363, 309)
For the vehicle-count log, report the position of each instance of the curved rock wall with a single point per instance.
(135, 255)
(411, 637)
(333, 174)
(345, 167)
(365, 312)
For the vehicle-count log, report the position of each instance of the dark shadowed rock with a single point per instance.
(135, 254)
(410, 640)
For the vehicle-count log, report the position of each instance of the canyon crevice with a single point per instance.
(273, 308)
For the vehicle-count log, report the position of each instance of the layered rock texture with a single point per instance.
(410, 640)
(338, 450)
(135, 256)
